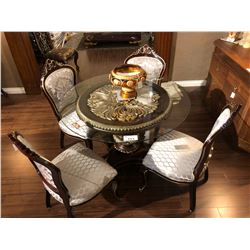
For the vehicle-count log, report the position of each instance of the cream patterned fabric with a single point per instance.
(151, 65)
(84, 173)
(45, 172)
(71, 124)
(60, 86)
(221, 120)
(174, 156)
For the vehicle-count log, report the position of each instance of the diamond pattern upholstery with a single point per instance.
(221, 120)
(151, 65)
(174, 156)
(83, 172)
(71, 124)
(60, 86)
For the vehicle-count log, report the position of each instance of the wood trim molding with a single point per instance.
(162, 46)
(25, 60)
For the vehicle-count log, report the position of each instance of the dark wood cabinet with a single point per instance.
(229, 72)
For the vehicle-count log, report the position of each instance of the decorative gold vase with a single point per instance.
(128, 76)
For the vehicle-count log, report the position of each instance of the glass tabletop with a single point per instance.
(101, 114)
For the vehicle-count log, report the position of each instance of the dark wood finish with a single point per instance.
(162, 46)
(201, 168)
(58, 186)
(92, 38)
(226, 193)
(228, 73)
(51, 66)
(147, 51)
(43, 42)
(25, 60)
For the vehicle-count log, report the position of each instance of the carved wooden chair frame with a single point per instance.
(201, 166)
(146, 50)
(49, 67)
(44, 44)
(60, 189)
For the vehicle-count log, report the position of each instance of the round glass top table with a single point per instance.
(126, 123)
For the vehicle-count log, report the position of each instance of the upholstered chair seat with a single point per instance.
(84, 173)
(72, 125)
(73, 177)
(58, 84)
(181, 158)
(174, 156)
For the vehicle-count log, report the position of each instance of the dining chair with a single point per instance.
(58, 84)
(148, 59)
(49, 51)
(183, 159)
(73, 177)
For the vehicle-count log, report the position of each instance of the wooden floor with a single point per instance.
(226, 194)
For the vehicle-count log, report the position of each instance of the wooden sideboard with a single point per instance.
(229, 71)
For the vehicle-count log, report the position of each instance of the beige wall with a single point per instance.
(9, 74)
(193, 52)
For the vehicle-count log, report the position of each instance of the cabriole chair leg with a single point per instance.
(192, 197)
(144, 173)
(114, 186)
(206, 176)
(61, 139)
(69, 211)
(89, 143)
(48, 204)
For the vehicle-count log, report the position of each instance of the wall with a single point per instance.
(191, 57)
(193, 52)
(9, 74)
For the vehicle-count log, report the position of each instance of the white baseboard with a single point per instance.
(188, 83)
(192, 83)
(15, 90)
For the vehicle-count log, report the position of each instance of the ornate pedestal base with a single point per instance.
(127, 148)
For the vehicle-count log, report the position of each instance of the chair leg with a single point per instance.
(114, 189)
(48, 204)
(192, 196)
(61, 139)
(206, 176)
(89, 143)
(75, 60)
(144, 172)
(69, 211)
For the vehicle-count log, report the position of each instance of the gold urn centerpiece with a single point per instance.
(128, 76)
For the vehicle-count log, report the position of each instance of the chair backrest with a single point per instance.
(57, 82)
(43, 42)
(222, 122)
(152, 63)
(49, 173)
